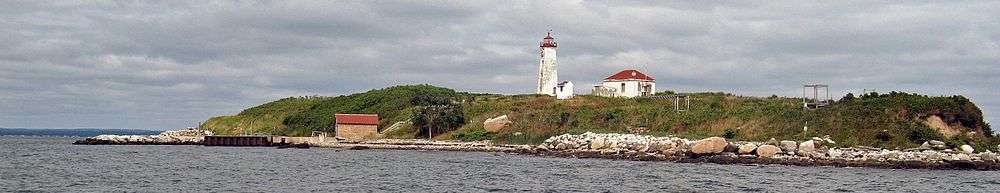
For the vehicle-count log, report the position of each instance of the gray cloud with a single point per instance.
(171, 64)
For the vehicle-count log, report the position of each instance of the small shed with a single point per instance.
(356, 126)
(564, 90)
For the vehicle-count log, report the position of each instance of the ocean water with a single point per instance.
(47, 164)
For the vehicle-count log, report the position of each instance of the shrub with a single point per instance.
(922, 134)
(473, 135)
(729, 134)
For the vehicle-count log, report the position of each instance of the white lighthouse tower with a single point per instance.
(547, 76)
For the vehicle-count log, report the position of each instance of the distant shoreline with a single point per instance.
(80, 132)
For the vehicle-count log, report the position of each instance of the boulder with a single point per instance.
(731, 148)
(639, 147)
(824, 140)
(653, 146)
(807, 148)
(818, 142)
(789, 146)
(767, 151)
(938, 145)
(959, 157)
(560, 146)
(936, 142)
(925, 145)
(967, 149)
(773, 142)
(746, 148)
(834, 153)
(711, 145)
(496, 124)
(667, 146)
(598, 144)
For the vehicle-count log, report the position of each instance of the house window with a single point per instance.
(623, 86)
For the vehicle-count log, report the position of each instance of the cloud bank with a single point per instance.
(167, 65)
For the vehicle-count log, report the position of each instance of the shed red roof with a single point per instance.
(357, 119)
(629, 75)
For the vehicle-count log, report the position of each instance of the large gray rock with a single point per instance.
(958, 157)
(667, 146)
(828, 140)
(773, 142)
(598, 143)
(711, 145)
(789, 146)
(937, 145)
(746, 148)
(966, 149)
(560, 146)
(807, 148)
(731, 148)
(767, 151)
(936, 142)
(496, 124)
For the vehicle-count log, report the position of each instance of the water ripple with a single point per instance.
(53, 165)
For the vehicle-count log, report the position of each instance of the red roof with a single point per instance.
(548, 41)
(357, 119)
(629, 75)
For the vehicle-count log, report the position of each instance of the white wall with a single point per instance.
(566, 92)
(632, 87)
(547, 72)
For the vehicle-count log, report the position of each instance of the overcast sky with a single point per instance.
(164, 64)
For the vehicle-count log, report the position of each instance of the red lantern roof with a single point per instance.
(356, 119)
(629, 75)
(548, 41)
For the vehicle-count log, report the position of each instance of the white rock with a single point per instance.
(789, 146)
(807, 148)
(936, 142)
(967, 149)
(834, 153)
(598, 143)
(960, 156)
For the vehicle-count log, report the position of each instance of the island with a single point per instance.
(891, 130)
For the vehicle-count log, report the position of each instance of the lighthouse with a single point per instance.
(547, 76)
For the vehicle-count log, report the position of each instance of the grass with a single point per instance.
(893, 120)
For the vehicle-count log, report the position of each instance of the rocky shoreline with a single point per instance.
(817, 151)
(174, 137)
(814, 152)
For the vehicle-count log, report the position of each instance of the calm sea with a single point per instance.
(48, 164)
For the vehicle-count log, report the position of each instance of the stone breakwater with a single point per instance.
(813, 152)
(175, 137)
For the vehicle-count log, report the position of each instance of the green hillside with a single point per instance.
(299, 116)
(880, 120)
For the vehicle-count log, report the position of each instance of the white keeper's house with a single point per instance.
(627, 83)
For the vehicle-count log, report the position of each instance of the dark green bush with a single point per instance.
(473, 135)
